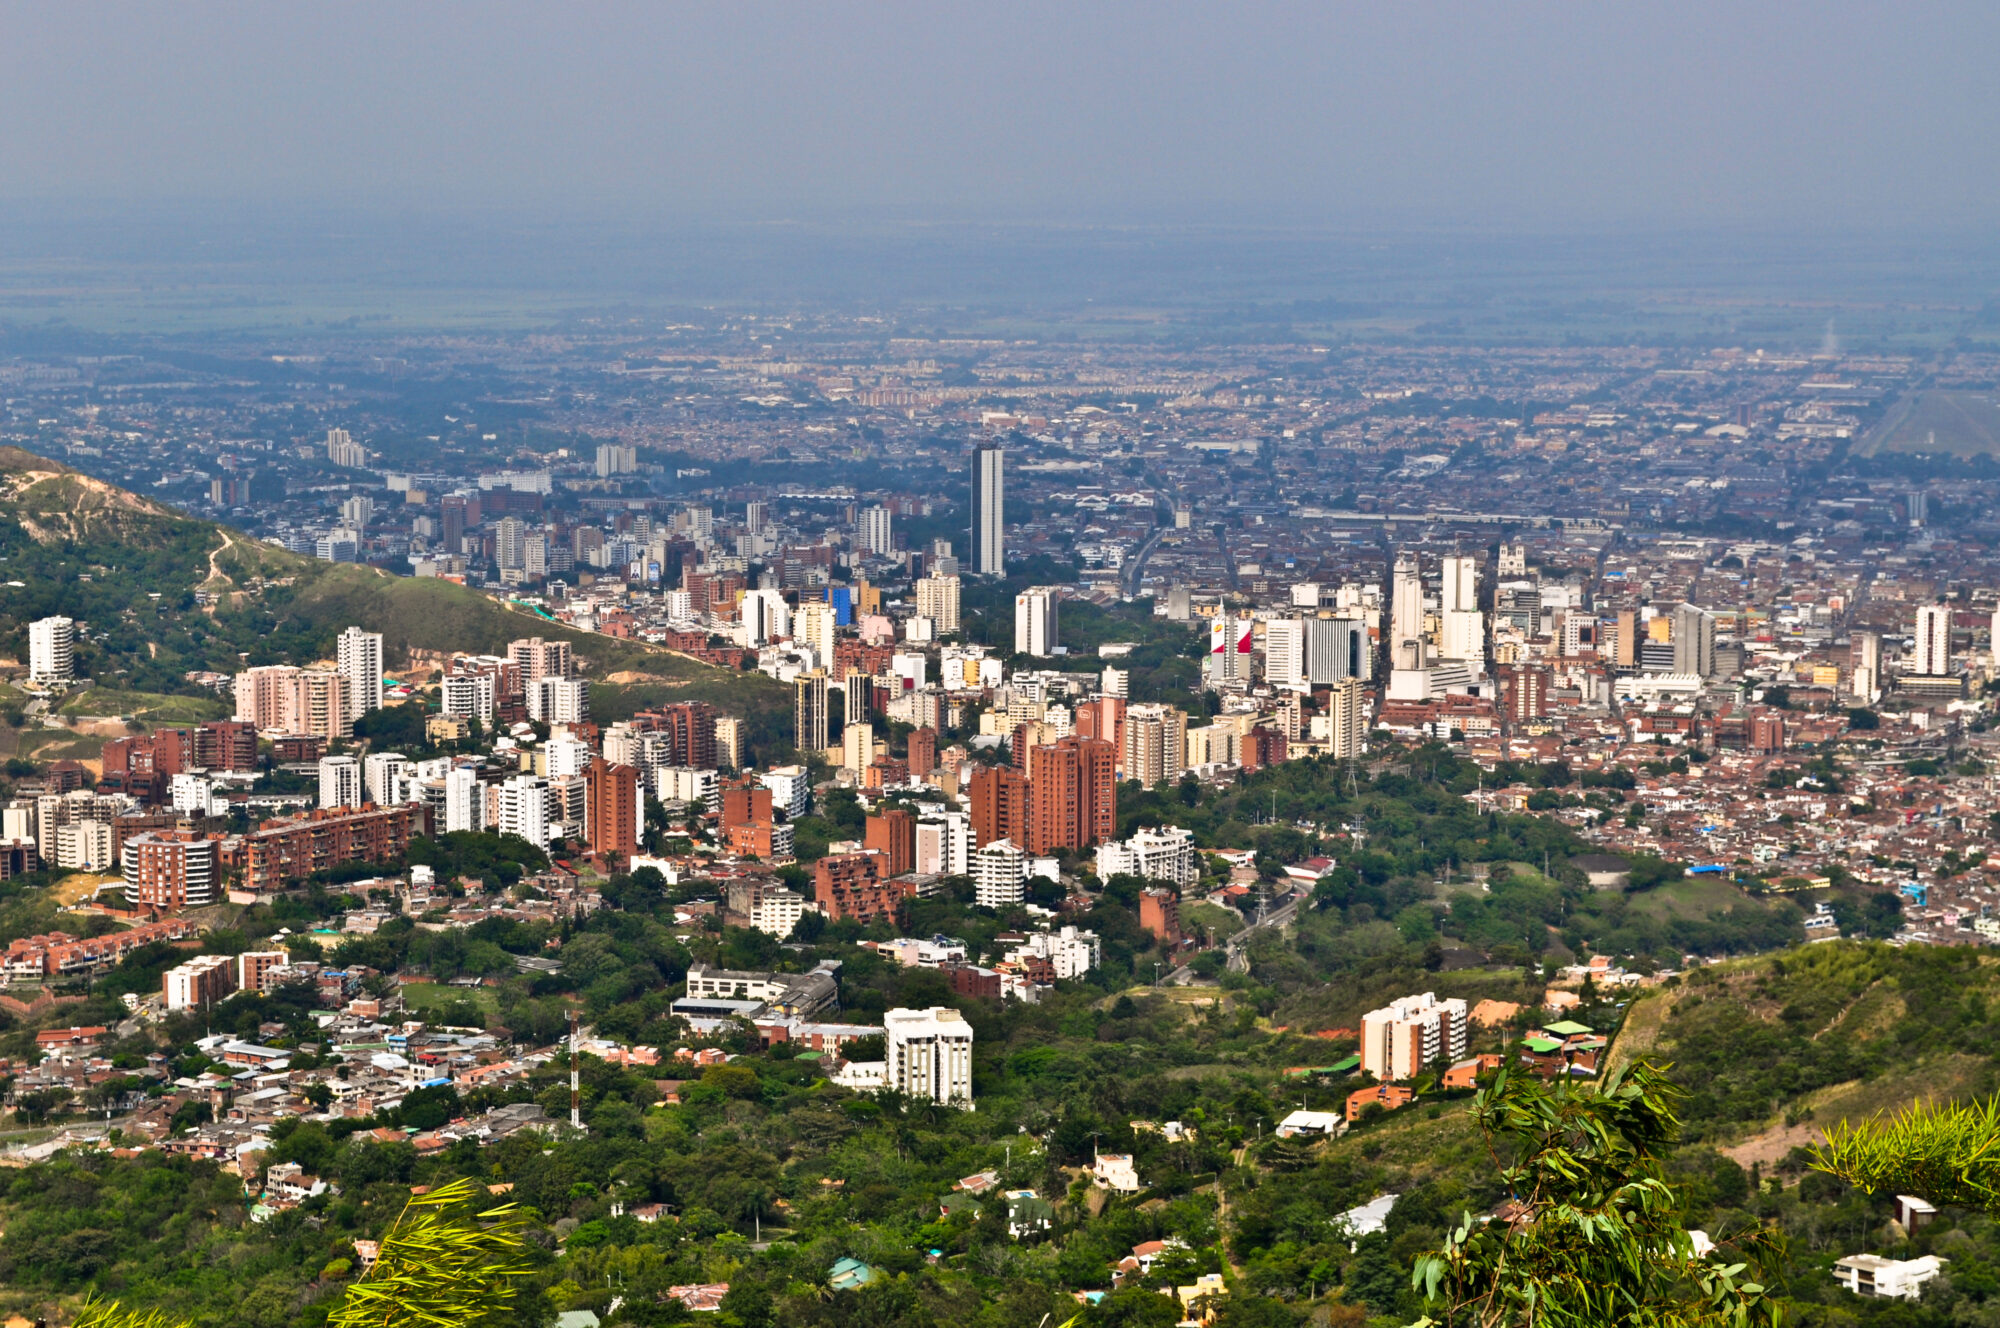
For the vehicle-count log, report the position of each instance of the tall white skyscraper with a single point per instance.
(51, 650)
(360, 662)
(1035, 621)
(1460, 592)
(989, 511)
(873, 533)
(1934, 640)
(340, 782)
(1406, 615)
(1285, 652)
(1868, 665)
(766, 617)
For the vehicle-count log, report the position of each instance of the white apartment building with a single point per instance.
(201, 981)
(1165, 854)
(464, 800)
(195, 795)
(944, 843)
(929, 1055)
(999, 874)
(1876, 1275)
(524, 809)
(469, 697)
(51, 650)
(340, 782)
(383, 775)
(812, 628)
(1070, 952)
(1285, 653)
(559, 700)
(873, 531)
(85, 846)
(359, 660)
(680, 783)
(1401, 1039)
(791, 788)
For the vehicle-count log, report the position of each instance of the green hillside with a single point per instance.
(130, 571)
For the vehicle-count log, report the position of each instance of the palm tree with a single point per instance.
(442, 1265)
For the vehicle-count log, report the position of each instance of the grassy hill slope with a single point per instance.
(128, 569)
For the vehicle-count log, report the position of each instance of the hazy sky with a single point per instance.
(1479, 114)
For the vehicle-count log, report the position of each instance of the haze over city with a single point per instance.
(1091, 666)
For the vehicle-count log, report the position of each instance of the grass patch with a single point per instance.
(1691, 897)
(148, 707)
(422, 996)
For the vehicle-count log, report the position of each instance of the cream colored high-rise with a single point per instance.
(812, 627)
(1346, 719)
(1933, 657)
(1155, 743)
(937, 599)
(1406, 615)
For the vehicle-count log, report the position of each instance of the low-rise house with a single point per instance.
(1875, 1275)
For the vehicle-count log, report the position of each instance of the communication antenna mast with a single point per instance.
(575, 1088)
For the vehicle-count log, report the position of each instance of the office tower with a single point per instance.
(937, 599)
(383, 777)
(1459, 591)
(1346, 719)
(1694, 641)
(813, 628)
(1933, 656)
(929, 1055)
(1180, 605)
(1072, 794)
(1406, 615)
(524, 809)
(1625, 651)
(1229, 641)
(1409, 1035)
(753, 517)
(464, 800)
(1155, 743)
(810, 723)
(1305, 595)
(1337, 648)
(340, 782)
(872, 531)
(342, 450)
(614, 816)
(51, 650)
(1285, 652)
(1918, 503)
(999, 804)
(359, 656)
(989, 514)
(1035, 621)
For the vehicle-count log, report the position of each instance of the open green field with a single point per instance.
(422, 996)
(1690, 897)
(1956, 423)
(147, 707)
